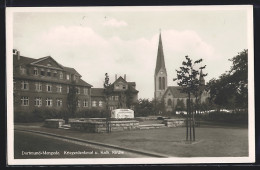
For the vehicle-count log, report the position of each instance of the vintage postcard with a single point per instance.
(130, 85)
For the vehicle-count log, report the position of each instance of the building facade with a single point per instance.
(44, 83)
(172, 96)
(121, 94)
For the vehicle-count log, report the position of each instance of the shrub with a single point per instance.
(24, 117)
(37, 115)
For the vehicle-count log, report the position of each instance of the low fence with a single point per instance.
(101, 126)
(174, 122)
(53, 123)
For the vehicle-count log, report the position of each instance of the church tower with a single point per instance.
(160, 75)
(202, 80)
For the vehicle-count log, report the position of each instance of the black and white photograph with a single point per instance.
(130, 85)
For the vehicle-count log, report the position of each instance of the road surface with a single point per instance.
(28, 145)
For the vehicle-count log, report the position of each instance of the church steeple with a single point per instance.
(202, 80)
(160, 74)
(160, 56)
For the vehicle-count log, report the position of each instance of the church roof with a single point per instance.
(160, 57)
(176, 91)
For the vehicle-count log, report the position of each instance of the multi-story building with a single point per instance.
(122, 94)
(44, 83)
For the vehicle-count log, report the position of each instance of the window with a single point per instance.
(85, 103)
(38, 101)
(68, 89)
(38, 86)
(116, 98)
(22, 69)
(25, 85)
(85, 91)
(59, 102)
(124, 87)
(35, 71)
(25, 101)
(61, 75)
(163, 83)
(48, 88)
(42, 72)
(77, 90)
(100, 103)
(78, 103)
(94, 103)
(55, 74)
(160, 83)
(111, 108)
(49, 73)
(49, 102)
(75, 77)
(169, 102)
(59, 88)
(68, 77)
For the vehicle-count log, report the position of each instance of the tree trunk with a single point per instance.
(193, 124)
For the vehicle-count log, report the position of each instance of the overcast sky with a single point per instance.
(125, 40)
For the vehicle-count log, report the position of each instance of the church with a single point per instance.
(172, 96)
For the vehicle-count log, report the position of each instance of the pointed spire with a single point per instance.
(160, 56)
(202, 80)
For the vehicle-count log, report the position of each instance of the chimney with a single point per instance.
(18, 55)
(125, 77)
(115, 77)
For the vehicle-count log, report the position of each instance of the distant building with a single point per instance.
(44, 83)
(171, 95)
(118, 97)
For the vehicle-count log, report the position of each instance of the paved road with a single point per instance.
(29, 145)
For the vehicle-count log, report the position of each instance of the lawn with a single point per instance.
(211, 141)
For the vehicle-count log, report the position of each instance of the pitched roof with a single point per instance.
(98, 92)
(131, 83)
(177, 92)
(83, 83)
(22, 61)
(26, 60)
(119, 78)
(160, 57)
(70, 70)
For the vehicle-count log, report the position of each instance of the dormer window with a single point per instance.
(49, 73)
(68, 77)
(55, 74)
(22, 69)
(61, 75)
(42, 72)
(35, 71)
